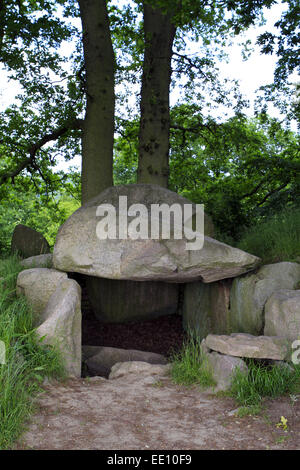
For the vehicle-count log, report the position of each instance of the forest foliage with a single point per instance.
(244, 169)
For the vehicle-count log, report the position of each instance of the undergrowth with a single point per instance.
(276, 239)
(261, 381)
(27, 360)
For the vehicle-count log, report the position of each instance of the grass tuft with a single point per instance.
(190, 365)
(264, 381)
(250, 410)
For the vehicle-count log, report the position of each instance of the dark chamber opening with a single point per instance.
(163, 335)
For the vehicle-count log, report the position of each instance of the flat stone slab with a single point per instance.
(40, 261)
(244, 345)
(121, 369)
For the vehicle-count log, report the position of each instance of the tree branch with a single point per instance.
(191, 129)
(253, 191)
(34, 148)
(272, 192)
(191, 63)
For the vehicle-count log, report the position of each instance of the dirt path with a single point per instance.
(135, 412)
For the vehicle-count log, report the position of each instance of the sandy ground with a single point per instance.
(150, 413)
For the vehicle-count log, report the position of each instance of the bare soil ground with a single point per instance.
(150, 413)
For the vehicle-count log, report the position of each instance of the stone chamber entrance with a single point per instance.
(163, 334)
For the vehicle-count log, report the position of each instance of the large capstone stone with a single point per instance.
(28, 242)
(122, 301)
(282, 314)
(79, 249)
(250, 293)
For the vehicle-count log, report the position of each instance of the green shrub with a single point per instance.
(190, 366)
(264, 381)
(27, 360)
(276, 239)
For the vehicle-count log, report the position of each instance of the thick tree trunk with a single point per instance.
(155, 110)
(98, 131)
(2, 23)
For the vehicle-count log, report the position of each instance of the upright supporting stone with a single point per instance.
(28, 242)
(61, 325)
(282, 314)
(206, 307)
(223, 368)
(250, 293)
(123, 301)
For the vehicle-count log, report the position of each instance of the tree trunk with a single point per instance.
(98, 129)
(2, 23)
(154, 132)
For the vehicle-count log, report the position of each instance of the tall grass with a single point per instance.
(264, 381)
(9, 270)
(27, 361)
(190, 365)
(276, 239)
